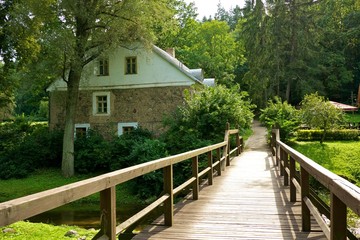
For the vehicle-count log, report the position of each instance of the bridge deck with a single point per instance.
(247, 202)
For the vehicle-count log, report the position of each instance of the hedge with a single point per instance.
(313, 135)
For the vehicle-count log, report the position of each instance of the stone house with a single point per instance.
(126, 89)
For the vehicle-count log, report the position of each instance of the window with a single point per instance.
(103, 65)
(81, 130)
(101, 103)
(126, 127)
(130, 65)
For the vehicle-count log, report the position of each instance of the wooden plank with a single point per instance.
(247, 202)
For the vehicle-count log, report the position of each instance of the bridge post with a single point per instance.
(108, 213)
(305, 191)
(195, 174)
(238, 144)
(210, 165)
(168, 189)
(292, 177)
(338, 217)
(218, 168)
(285, 160)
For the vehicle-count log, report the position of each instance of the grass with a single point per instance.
(352, 118)
(38, 231)
(49, 178)
(340, 157)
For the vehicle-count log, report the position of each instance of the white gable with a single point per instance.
(155, 68)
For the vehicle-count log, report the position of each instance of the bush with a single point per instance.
(315, 135)
(92, 154)
(25, 147)
(282, 114)
(136, 147)
(202, 120)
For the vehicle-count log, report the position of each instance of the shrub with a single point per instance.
(92, 153)
(202, 120)
(282, 114)
(134, 148)
(25, 147)
(315, 135)
(317, 112)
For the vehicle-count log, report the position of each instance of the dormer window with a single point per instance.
(130, 65)
(103, 67)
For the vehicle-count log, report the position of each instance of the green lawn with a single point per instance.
(41, 231)
(352, 118)
(340, 157)
(47, 179)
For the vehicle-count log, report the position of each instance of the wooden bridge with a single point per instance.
(264, 193)
(249, 201)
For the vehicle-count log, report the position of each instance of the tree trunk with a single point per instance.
(67, 164)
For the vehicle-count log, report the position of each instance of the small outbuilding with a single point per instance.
(344, 107)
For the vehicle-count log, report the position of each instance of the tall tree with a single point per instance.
(82, 30)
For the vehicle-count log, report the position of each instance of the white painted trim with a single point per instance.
(81, 125)
(94, 103)
(126, 124)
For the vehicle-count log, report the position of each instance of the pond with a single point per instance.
(88, 216)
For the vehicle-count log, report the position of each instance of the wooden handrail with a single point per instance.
(343, 194)
(28, 206)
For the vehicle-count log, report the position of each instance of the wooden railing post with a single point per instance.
(305, 189)
(168, 189)
(108, 214)
(286, 166)
(195, 174)
(338, 217)
(218, 154)
(292, 178)
(210, 165)
(238, 144)
(281, 160)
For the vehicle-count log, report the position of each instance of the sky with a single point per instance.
(209, 7)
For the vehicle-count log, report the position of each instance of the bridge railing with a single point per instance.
(28, 206)
(296, 170)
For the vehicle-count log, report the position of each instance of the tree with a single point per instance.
(79, 31)
(281, 114)
(317, 112)
(203, 118)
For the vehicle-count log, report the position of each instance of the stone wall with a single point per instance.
(146, 106)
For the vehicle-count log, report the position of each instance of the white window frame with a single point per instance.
(81, 125)
(133, 63)
(126, 124)
(97, 67)
(95, 103)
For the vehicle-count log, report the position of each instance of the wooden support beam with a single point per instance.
(168, 189)
(285, 159)
(338, 217)
(292, 179)
(305, 190)
(210, 164)
(108, 214)
(195, 174)
(218, 155)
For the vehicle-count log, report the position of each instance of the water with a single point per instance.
(88, 216)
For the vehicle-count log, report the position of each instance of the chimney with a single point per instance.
(171, 52)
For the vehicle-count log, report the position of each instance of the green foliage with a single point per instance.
(342, 158)
(38, 231)
(313, 135)
(281, 114)
(25, 147)
(204, 116)
(134, 148)
(316, 112)
(92, 153)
